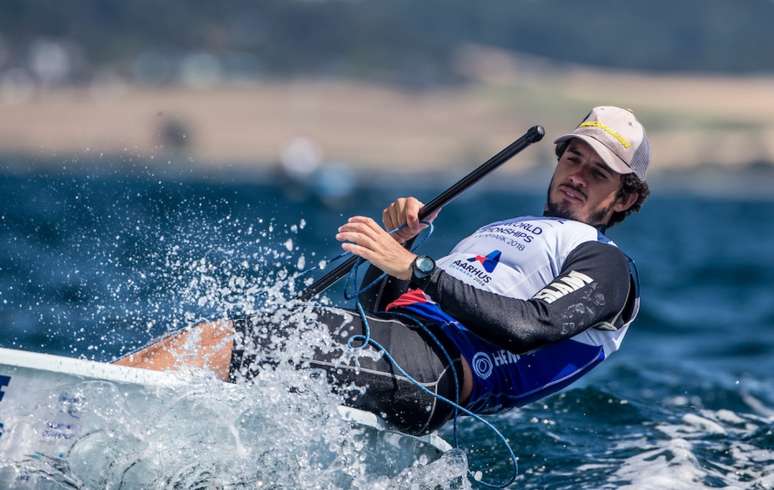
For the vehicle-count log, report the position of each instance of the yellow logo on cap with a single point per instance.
(596, 124)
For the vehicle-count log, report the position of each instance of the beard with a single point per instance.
(561, 210)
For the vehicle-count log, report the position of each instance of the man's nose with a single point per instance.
(577, 179)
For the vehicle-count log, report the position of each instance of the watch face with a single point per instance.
(425, 264)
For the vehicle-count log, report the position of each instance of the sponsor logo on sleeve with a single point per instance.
(563, 286)
(482, 365)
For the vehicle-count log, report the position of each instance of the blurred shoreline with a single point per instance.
(694, 122)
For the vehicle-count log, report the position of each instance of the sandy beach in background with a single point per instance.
(691, 120)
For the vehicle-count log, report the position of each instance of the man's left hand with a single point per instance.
(365, 238)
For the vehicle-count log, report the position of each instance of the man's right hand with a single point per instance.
(405, 211)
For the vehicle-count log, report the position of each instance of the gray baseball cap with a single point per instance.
(617, 137)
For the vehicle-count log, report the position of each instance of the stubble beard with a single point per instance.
(559, 210)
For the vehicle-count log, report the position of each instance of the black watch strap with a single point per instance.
(421, 272)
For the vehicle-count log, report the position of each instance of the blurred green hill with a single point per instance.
(241, 80)
(403, 41)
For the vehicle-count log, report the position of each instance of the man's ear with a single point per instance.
(622, 205)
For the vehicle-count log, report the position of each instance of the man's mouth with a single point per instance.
(572, 193)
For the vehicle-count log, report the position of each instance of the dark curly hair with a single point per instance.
(630, 184)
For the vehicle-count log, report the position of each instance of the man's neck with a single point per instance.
(602, 228)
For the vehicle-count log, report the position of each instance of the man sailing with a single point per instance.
(516, 311)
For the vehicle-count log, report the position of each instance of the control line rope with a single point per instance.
(365, 340)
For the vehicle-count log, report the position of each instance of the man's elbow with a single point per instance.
(524, 338)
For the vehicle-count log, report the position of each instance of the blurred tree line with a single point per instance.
(403, 41)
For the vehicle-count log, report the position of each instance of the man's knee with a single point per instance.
(206, 344)
(216, 346)
(215, 333)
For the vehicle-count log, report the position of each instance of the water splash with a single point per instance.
(206, 434)
(282, 431)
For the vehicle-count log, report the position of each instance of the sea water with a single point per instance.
(97, 265)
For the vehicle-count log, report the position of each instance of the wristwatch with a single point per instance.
(421, 270)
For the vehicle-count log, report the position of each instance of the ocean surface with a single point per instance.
(95, 265)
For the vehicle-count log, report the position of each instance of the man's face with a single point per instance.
(583, 188)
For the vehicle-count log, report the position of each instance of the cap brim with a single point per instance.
(609, 158)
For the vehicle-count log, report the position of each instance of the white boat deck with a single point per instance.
(11, 359)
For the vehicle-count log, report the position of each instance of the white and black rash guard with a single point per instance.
(591, 288)
(532, 303)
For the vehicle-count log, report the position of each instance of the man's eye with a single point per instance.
(599, 175)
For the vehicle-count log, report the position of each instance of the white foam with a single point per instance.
(694, 422)
(673, 462)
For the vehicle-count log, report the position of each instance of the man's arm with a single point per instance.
(591, 288)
